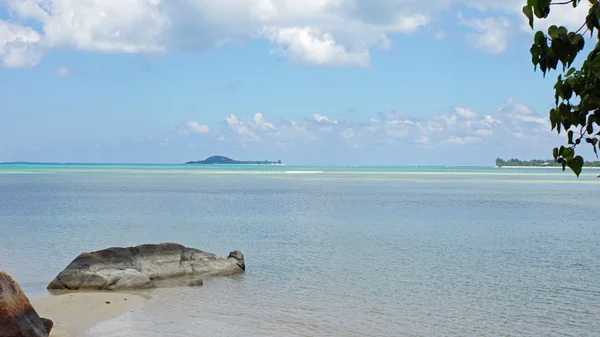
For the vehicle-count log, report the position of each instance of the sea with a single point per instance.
(330, 251)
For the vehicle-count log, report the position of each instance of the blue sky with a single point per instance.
(304, 81)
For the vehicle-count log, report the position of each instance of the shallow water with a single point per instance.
(345, 252)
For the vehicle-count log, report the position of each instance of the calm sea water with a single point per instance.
(359, 251)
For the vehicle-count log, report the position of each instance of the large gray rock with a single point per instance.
(143, 267)
(17, 317)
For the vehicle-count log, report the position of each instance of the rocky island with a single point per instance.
(221, 160)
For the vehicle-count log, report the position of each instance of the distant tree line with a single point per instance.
(538, 162)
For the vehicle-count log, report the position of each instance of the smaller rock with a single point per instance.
(48, 324)
(236, 254)
(196, 283)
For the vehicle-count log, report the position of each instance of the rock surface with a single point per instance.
(195, 283)
(17, 317)
(48, 324)
(142, 266)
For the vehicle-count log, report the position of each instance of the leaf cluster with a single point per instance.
(577, 95)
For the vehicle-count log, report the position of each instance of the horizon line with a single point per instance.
(196, 165)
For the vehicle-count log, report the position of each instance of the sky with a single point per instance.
(335, 82)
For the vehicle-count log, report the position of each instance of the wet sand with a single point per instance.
(74, 313)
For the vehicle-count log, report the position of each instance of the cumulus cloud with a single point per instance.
(19, 45)
(458, 127)
(191, 128)
(251, 127)
(305, 44)
(318, 32)
(197, 127)
(323, 119)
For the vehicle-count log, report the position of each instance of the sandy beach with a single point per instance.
(74, 313)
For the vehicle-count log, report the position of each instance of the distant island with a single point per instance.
(538, 163)
(224, 160)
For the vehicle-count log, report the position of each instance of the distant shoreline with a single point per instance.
(542, 167)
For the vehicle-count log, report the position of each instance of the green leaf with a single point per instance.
(594, 66)
(591, 20)
(576, 164)
(555, 118)
(568, 153)
(562, 33)
(560, 49)
(564, 110)
(570, 72)
(567, 92)
(584, 102)
(535, 56)
(552, 61)
(528, 11)
(577, 41)
(553, 31)
(570, 136)
(558, 90)
(537, 11)
(555, 153)
(540, 39)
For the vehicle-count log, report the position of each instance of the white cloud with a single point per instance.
(461, 140)
(19, 45)
(323, 119)
(305, 44)
(197, 127)
(492, 33)
(261, 124)
(240, 128)
(465, 113)
(190, 128)
(318, 32)
(322, 32)
(63, 71)
(252, 128)
(459, 127)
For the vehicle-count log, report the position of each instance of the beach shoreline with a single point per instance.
(74, 313)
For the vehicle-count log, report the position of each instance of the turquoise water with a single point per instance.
(330, 251)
